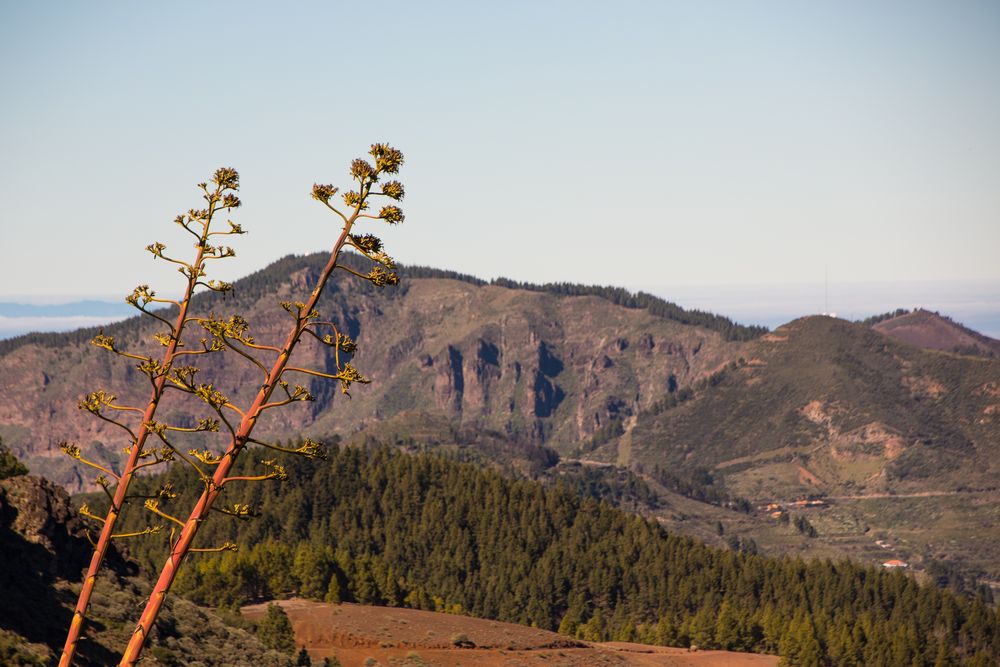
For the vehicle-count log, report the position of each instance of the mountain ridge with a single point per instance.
(273, 274)
(522, 362)
(818, 407)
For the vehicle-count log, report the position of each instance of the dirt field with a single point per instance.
(363, 636)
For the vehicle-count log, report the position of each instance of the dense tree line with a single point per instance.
(620, 487)
(654, 304)
(386, 528)
(267, 280)
(700, 485)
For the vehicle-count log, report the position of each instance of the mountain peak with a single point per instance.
(933, 331)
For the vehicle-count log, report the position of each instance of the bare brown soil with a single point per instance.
(362, 636)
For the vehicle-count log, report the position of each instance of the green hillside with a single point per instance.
(422, 531)
(902, 442)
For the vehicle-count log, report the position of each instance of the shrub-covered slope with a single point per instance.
(826, 406)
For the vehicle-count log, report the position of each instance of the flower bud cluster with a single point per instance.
(387, 158)
(368, 243)
(226, 178)
(141, 295)
(361, 170)
(391, 214)
(348, 376)
(393, 190)
(323, 193)
(380, 277)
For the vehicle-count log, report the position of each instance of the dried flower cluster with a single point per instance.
(230, 335)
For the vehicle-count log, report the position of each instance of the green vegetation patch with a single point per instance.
(425, 532)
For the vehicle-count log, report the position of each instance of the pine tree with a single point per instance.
(311, 568)
(981, 659)
(727, 635)
(702, 629)
(594, 630)
(666, 631)
(945, 655)
(275, 630)
(571, 620)
(799, 646)
(333, 590)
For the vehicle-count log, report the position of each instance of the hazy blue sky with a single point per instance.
(657, 143)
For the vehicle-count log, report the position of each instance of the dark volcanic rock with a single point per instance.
(38, 512)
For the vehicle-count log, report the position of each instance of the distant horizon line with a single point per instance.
(66, 298)
(973, 303)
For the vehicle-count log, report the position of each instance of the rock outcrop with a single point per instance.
(36, 517)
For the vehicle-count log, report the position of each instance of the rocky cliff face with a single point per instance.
(42, 542)
(37, 514)
(537, 367)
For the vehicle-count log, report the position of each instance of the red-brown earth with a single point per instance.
(362, 635)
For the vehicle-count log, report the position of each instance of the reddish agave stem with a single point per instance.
(212, 491)
(107, 530)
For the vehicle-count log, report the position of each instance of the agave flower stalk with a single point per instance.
(232, 334)
(218, 197)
